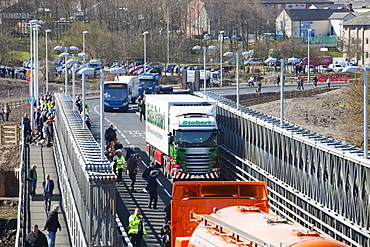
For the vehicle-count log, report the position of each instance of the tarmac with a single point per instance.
(43, 158)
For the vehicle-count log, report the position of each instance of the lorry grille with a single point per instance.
(198, 160)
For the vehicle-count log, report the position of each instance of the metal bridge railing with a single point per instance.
(313, 180)
(88, 183)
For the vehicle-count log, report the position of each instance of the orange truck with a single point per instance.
(231, 213)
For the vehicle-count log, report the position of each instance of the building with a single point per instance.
(294, 4)
(298, 22)
(356, 38)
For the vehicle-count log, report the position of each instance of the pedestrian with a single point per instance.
(36, 238)
(48, 187)
(152, 188)
(147, 171)
(27, 131)
(302, 83)
(110, 133)
(136, 228)
(117, 144)
(88, 122)
(328, 81)
(259, 87)
(315, 80)
(130, 151)
(118, 164)
(7, 111)
(32, 180)
(141, 106)
(46, 131)
(132, 169)
(278, 80)
(52, 225)
(299, 83)
(2, 112)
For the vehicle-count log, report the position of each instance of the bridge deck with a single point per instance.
(43, 158)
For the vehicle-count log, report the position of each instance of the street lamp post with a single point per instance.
(83, 42)
(308, 54)
(36, 29)
(228, 54)
(46, 61)
(65, 54)
(145, 33)
(366, 114)
(205, 48)
(282, 77)
(221, 42)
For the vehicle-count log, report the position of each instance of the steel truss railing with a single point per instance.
(87, 180)
(312, 179)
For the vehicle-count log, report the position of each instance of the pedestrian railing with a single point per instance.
(87, 180)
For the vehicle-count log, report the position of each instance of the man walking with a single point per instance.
(48, 187)
(141, 106)
(137, 228)
(152, 188)
(36, 238)
(110, 133)
(118, 164)
(32, 180)
(52, 225)
(132, 169)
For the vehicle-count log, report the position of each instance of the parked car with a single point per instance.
(351, 69)
(324, 68)
(336, 67)
(170, 67)
(253, 61)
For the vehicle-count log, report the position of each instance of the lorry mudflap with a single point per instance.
(183, 175)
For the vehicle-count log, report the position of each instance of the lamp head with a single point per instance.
(84, 32)
(145, 33)
(212, 47)
(82, 54)
(64, 54)
(222, 32)
(58, 47)
(86, 71)
(48, 31)
(73, 48)
(197, 47)
(228, 54)
(33, 21)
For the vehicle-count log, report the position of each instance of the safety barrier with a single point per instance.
(87, 182)
(333, 78)
(9, 134)
(316, 181)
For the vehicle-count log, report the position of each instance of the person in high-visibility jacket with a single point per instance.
(118, 164)
(137, 228)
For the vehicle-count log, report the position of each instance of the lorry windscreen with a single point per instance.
(197, 138)
(148, 83)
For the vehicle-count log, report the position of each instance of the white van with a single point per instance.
(336, 67)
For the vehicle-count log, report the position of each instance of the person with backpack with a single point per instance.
(110, 133)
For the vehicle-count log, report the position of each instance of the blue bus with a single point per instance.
(116, 96)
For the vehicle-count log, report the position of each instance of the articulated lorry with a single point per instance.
(231, 213)
(150, 84)
(182, 136)
(213, 78)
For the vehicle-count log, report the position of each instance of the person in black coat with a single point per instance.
(48, 187)
(130, 151)
(52, 225)
(36, 238)
(152, 188)
(110, 133)
(27, 130)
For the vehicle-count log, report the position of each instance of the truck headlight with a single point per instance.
(216, 169)
(178, 169)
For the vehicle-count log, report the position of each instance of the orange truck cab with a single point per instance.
(232, 213)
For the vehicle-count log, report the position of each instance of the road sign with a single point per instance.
(32, 100)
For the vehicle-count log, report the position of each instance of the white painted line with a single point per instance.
(169, 195)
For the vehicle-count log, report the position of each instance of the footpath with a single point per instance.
(43, 158)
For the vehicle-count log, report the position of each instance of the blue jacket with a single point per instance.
(152, 181)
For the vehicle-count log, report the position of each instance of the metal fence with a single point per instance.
(87, 180)
(314, 180)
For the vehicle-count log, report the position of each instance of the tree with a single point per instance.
(7, 45)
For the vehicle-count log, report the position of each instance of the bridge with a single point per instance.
(313, 180)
